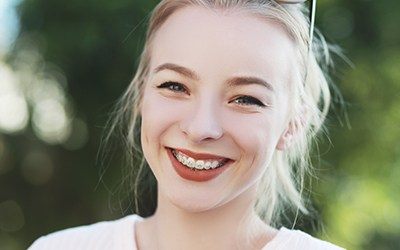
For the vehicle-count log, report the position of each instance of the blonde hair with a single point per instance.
(283, 181)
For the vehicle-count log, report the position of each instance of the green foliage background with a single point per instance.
(95, 44)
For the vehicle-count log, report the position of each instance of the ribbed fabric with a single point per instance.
(120, 235)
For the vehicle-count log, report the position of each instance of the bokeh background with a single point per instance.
(63, 64)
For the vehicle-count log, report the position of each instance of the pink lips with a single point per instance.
(195, 174)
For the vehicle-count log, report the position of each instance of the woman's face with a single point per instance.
(215, 105)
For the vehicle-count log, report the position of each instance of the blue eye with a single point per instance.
(248, 101)
(173, 86)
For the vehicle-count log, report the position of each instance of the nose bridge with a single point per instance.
(203, 121)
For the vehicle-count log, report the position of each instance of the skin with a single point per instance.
(203, 113)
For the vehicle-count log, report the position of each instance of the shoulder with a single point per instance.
(101, 235)
(299, 240)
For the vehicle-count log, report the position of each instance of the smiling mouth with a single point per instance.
(197, 167)
(200, 163)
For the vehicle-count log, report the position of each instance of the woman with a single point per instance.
(227, 97)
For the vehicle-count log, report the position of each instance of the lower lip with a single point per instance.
(195, 174)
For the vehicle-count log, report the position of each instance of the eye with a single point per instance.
(248, 101)
(173, 86)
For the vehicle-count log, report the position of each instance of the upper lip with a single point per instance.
(200, 156)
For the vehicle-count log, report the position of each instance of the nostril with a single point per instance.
(202, 131)
(202, 122)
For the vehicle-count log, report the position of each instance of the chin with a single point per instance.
(192, 204)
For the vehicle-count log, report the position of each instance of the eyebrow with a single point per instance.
(179, 69)
(248, 80)
(234, 81)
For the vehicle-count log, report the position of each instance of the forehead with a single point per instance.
(219, 43)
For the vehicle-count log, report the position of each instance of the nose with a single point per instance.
(201, 123)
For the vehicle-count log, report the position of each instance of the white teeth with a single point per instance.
(199, 164)
(214, 164)
(191, 162)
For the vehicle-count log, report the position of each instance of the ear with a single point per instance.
(286, 138)
(294, 128)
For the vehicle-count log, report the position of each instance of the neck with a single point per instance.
(231, 226)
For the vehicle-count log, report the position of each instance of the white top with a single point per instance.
(120, 234)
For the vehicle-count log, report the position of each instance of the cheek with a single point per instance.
(257, 136)
(157, 117)
(157, 114)
(254, 133)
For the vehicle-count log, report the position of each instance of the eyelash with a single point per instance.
(173, 87)
(244, 100)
